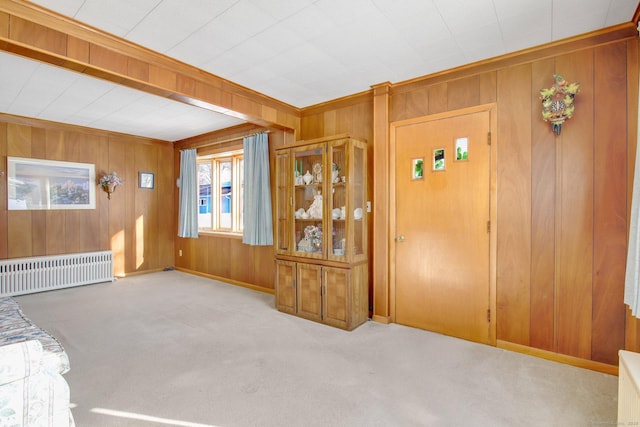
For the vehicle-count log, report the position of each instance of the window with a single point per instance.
(220, 192)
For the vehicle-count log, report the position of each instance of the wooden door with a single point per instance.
(309, 291)
(442, 250)
(286, 286)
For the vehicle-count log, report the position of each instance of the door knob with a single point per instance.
(400, 238)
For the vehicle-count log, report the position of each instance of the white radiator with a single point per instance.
(19, 276)
(628, 389)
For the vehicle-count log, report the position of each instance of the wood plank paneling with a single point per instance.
(111, 225)
(237, 269)
(4, 24)
(18, 140)
(55, 221)
(562, 278)
(574, 234)
(3, 188)
(543, 198)
(118, 236)
(162, 77)
(37, 35)
(38, 143)
(55, 233)
(77, 49)
(38, 218)
(165, 188)
(127, 195)
(488, 87)
(215, 262)
(38, 233)
(437, 95)
(610, 204)
(20, 234)
(137, 69)
(102, 213)
(55, 145)
(417, 103)
(107, 59)
(312, 126)
(514, 204)
(143, 202)
(463, 93)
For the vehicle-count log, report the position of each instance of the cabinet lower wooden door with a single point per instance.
(337, 287)
(309, 296)
(286, 286)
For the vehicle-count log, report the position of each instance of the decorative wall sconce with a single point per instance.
(110, 182)
(557, 102)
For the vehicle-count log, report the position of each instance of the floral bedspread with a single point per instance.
(31, 395)
(15, 327)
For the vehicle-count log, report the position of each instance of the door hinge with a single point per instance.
(488, 226)
(489, 315)
(488, 138)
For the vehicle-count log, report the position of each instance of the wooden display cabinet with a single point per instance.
(321, 231)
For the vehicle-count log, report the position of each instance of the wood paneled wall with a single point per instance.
(137, 224)
(351, 115)
(225, 256)
(562, 200)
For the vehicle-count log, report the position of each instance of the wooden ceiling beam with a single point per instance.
(36, 33)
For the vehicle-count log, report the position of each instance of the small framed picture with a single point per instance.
(146, 180)
(439, 160)
(416, 168)
(462, 149)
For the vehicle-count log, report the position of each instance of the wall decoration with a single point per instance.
(109, 183)
(417, 168)
(146, 180)
(439, 159)
(557, 102)
(462, 148)
(36, 184)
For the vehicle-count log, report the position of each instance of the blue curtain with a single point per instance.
(258, 229)
(632, 275)
(188, 206)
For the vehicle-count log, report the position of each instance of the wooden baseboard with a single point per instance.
(557, 357)
(381, 319)
(229, 281)
(137, 273)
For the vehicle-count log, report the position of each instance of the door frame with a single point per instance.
(493, 218)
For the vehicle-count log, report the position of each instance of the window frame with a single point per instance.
(215, 160)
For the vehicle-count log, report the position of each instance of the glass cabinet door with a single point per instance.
(347, 208)
(308, 211)
(358, 188)
(283, 201)
(338, 202)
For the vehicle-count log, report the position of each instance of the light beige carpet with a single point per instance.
(170, 348)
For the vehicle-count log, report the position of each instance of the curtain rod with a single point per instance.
(228, 140)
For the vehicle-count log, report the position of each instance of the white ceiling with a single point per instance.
(301, 52)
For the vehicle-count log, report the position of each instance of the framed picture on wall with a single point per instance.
(417, 168)
(438, 159)
(146, 180)
(36, 184)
